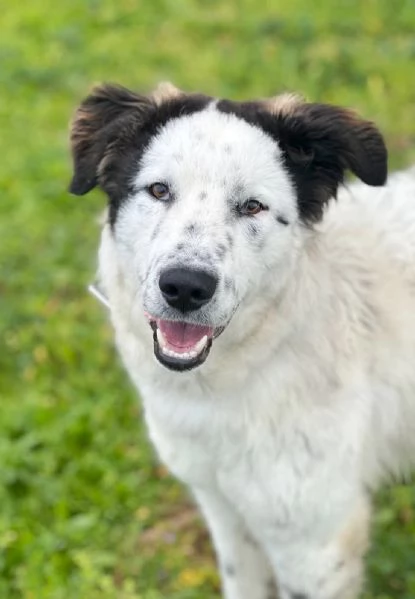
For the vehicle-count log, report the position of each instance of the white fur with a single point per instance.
(306, 401)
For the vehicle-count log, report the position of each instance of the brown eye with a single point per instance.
(160, 191)
(251, 207)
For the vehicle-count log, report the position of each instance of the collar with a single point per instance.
(98, 293)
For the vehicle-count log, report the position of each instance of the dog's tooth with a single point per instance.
(181, 356)
(200, 345)
(160, 339)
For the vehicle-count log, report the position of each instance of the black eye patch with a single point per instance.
(282, 220)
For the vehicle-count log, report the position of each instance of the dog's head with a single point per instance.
(207, 197)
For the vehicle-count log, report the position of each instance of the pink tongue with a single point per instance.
(181, 335)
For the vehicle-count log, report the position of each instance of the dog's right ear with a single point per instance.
(98, 121)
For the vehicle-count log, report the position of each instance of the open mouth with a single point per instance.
(180, 345)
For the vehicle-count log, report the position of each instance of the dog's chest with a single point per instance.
(262, 464)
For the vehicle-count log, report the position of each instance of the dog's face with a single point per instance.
(208, 198)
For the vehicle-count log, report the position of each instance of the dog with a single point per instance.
(265, 310)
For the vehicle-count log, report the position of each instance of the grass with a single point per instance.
(85, 509)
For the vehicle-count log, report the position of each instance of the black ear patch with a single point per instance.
(110, 131)
(319, 143)
(107, 114)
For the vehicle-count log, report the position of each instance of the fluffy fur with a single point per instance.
(306, 401)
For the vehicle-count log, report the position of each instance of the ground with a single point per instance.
(85, 509)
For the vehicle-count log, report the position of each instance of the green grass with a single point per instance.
(85, 510)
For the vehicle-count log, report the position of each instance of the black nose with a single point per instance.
(186, 289)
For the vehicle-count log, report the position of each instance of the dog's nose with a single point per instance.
(186, 289)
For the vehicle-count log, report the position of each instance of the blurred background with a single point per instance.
(85, 509)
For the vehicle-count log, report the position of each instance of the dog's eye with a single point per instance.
(160, 191)
(250, 207)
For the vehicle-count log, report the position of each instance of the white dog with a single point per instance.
(269, 328)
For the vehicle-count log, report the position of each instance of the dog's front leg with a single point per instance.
(313, 568)
(245, 570)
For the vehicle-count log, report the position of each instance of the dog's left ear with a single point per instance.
(320, 142)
